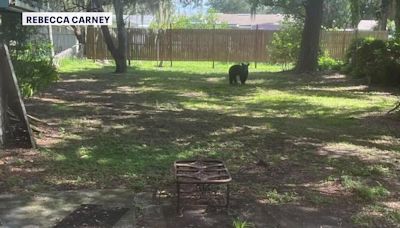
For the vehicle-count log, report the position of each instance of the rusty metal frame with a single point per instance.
(202, 174)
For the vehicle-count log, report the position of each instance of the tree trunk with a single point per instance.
(2, 112)
(79, 32)
(121, 34)
(118, 53)
(384, 14)
(308, 58)
(80, 35)
(109, 42)
(397, 19)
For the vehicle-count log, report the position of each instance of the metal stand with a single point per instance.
(202, 175)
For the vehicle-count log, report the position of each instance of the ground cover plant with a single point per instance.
(320, 141)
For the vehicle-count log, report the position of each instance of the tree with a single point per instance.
(163, 11)
(336, 14)
(73, 6)
(230, 6)
(118, 51)
(309, 47)
(285, 45)
(197, 21)
(311, 12)
(397, 19)
(369, 9)
(384, 14)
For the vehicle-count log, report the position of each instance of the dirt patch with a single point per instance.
(92, 215)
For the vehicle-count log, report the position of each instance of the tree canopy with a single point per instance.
(230, 6)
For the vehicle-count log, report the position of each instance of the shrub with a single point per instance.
(376, 60)
(32, 60)
(34, 68)
(285, 46)
(325, 62)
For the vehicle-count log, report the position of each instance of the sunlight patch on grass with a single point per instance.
(126, 89)
(366, 153)
(298, 105)
(168, 106)
(364, 191)
(204, 105)
(358, 88)
(79, 65)
(50, 100)
(194, 94)
(84, 123)
(203, 67)
(276, 198)
(84, 152)
(216, 79)
(61, 107)
(103, 161)
(318, 199)
(394, 205)
(83, 80)
(71, 181)
(373, 215)
(387, 140)
(237, 129)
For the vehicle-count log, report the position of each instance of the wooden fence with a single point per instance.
(223, 45)
(336, 43)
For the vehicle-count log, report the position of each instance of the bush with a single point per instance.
(285, 46)
(34, 68)
(326, 62)
(32, 61)
(376, 60)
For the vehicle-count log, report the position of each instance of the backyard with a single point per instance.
(320, 142)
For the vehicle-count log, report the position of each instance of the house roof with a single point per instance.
(249, 20)
(367, 25)
(137, 20)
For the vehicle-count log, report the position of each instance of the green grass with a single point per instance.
(363, 191)
(318, 200)
(77, 65)
(126, 130)
(241, 224)
(375, 215)
(275, 197)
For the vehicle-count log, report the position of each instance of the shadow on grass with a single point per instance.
(126, 131)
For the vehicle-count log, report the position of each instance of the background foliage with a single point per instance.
(376, 60)
(30, 55)
(286, 42)
(34, 68)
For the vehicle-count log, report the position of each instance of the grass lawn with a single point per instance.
(314, 140)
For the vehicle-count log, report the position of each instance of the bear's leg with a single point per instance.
(243, 79)
(230, 79)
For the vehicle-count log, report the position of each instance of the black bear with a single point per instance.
(241, 70)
